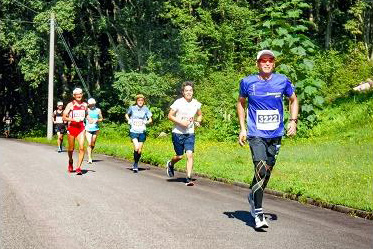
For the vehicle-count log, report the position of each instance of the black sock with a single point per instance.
(136, 156)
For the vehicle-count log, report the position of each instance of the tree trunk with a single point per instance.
(328, 32)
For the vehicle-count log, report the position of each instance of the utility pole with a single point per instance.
(50, 80)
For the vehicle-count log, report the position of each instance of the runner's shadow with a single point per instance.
(85, 171)
(246, 217)
(139, 168)
(179, 179)
(96, 160)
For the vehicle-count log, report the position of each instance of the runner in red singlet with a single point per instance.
(75, 113)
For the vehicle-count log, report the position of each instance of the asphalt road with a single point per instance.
(43, 206)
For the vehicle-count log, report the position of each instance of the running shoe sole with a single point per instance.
(189, 182)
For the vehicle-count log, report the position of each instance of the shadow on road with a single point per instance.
(85, 171)
(179, 179)
(139, 168)
(246, 217)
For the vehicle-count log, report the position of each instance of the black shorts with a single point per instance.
(61, 128)
(264, 149)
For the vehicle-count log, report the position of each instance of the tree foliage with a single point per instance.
(127, 47)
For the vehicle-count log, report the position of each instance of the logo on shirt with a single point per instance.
(277, 95)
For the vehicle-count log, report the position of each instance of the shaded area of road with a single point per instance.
(42, 206)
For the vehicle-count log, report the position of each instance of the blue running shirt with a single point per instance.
(138, 117)
(265, 117)
(93, 114)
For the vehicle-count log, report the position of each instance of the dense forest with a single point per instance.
(125, 47)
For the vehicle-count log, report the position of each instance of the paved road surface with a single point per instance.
(42, 206)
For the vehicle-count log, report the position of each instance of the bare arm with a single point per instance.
(172, 117)
(241, 103)
(199, 118)
(100, 117)
(66, 112)
(294, 109)
(54, 117)
(127, 117)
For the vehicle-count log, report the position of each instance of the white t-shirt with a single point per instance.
(185, 111)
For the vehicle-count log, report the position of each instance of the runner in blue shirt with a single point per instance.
(94, 116)
(265, 127)
(138, 116)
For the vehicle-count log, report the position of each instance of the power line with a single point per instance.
(72, 59)
(21, 4)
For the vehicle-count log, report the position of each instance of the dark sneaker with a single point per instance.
(170, 169)
(135, 168)
(78, 171)
(189, 182)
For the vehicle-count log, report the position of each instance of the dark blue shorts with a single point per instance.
(183, 142)
(93, 132)
(141, 137)
(60, 128)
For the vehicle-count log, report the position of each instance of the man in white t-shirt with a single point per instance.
(182, 113)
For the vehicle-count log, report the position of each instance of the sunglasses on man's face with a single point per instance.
(263, 61)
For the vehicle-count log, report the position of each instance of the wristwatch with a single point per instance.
(294, 119)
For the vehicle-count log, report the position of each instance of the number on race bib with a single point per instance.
(267, 119)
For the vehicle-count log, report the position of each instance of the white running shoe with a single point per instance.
(260, 221)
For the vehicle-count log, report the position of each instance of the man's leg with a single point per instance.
(189, 163)
(89, 137)
(177, 141)
(136, 156)
(80, 139)
(70, 150)
(189, 148)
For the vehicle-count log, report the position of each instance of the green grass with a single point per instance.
(333, 166)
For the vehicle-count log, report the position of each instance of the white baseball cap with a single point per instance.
(59, 103)
(77, 90)
(91, 101)
(265, 52)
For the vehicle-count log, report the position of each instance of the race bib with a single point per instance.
(267, 120)
(78, 114)
(138, 124)
(59, 120)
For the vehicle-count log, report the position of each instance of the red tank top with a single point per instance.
(78, 112)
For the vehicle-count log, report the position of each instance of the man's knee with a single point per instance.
(261, 168)
(189, 154)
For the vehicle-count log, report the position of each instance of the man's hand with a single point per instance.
(185, 123)
(292, 128)
(197, 124)
(242, 137)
